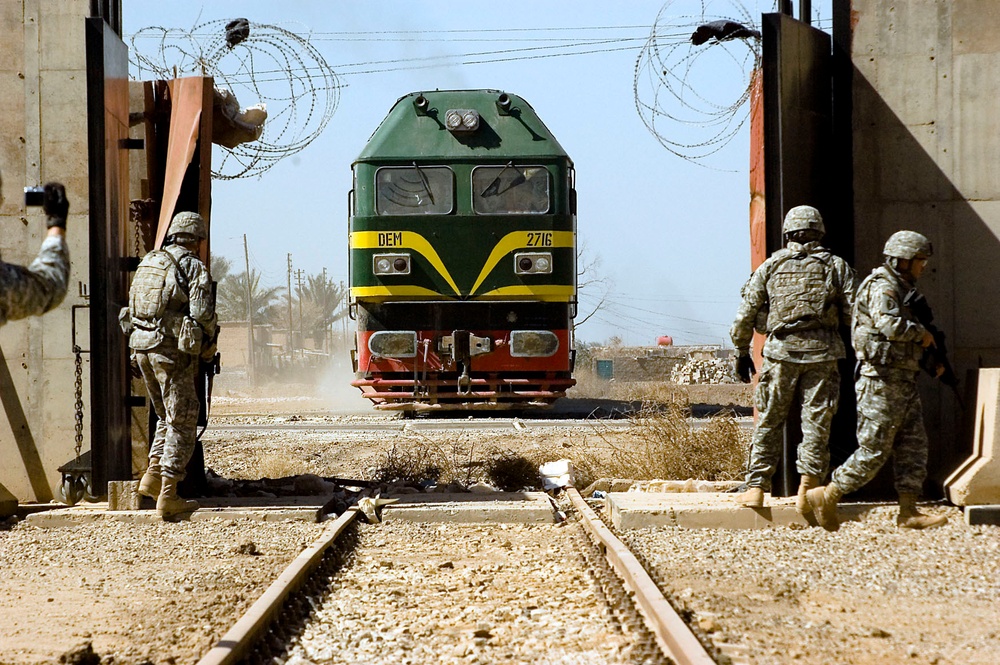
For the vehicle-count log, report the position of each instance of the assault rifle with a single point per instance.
(936, 355)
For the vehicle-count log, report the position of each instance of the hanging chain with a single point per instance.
(141, 212)
(138, 237)
(78, 352)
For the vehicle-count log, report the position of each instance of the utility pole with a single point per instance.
(291, 339)
(328, 333)
(251, 367)
(298, 278)
(347, 311)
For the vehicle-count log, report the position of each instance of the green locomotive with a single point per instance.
(463, 255)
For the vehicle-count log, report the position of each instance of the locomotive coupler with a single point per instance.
(464, 381)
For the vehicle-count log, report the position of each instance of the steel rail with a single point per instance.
(237, 642)
(672, 634)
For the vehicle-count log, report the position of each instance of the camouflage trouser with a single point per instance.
(890, 422)
(170, 377)
(817, 385)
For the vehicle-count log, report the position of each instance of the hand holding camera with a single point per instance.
(52, 198)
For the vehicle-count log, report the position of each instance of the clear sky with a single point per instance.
(671, 236)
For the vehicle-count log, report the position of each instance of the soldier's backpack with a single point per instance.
(149, 295)
(802, 293)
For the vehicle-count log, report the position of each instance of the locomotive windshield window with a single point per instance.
(414, 190)
(510, 190)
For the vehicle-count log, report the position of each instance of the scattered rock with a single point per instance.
(249, 548)
(81, 654)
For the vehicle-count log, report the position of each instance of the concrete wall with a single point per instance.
(43, 136)
(926, 134)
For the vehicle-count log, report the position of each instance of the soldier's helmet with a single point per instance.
(802, 218)
(187, 222)
(908, 245)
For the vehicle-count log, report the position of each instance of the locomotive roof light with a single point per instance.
(391, 264)
(421, 105)
(503, 103)
(533, 263)
(461, 120)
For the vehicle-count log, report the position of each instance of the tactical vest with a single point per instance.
(801, 293)
(149, 297)
(870, 345)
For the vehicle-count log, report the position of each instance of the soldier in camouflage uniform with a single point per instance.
(889, 342)
(172, 312)
(799, 298)
(40, 287)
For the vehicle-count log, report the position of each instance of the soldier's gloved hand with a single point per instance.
(55, 204)
(208, 351)
(133, 368)
(744, 367)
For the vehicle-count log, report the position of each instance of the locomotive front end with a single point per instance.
(463, 256)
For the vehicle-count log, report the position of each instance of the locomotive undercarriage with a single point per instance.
(449, 390)
(434, 369)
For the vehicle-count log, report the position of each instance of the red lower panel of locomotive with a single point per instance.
(463, 369)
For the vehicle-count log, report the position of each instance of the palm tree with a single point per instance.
(317, 304)
(324, 300)
(232, 299)
(220, 268)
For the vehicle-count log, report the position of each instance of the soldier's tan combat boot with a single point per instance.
(806, 483)
(150, 484)
(169, 505)
(911, 518)
(823, 501)
(752, 498)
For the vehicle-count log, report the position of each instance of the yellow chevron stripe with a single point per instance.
(520, 240)
(410, 240)
(548, 293)
(393, 291)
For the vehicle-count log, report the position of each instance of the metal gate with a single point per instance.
(108, 122)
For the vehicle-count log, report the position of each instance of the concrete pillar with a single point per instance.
(977, 480)
(43, 136)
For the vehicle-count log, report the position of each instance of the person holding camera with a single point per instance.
(173, 324)
(41, 286)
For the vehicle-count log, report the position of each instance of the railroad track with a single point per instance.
(493, 592)
(444, 425)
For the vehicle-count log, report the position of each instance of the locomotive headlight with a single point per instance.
(533, 343)
(391, 264)
(393, 344)
(461, 120)
(533, 263)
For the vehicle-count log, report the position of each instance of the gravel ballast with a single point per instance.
(459, 593)
(869, 593)
(137, 592)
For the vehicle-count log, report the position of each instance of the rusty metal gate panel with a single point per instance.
(107, 109)
(801, 168)
(797, 119)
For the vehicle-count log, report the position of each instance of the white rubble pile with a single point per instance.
(701, 371)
